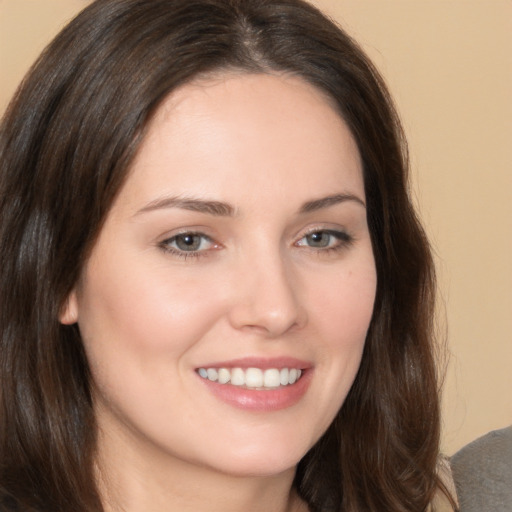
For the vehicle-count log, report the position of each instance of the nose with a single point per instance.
(267, 297)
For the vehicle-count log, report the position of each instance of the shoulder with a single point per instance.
(494, 448)
(482, 471)
(487, 457)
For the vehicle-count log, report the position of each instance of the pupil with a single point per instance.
(188, 242)
(319, 239)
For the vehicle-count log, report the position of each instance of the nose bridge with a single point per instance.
(266, 295)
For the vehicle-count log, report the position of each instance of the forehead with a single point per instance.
(254, 131)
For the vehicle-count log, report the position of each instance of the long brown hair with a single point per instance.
(67, 141)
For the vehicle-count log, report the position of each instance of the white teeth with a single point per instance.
(271, 378)
(224, 376)
(254, 378)
(237, 377)
(212, 374)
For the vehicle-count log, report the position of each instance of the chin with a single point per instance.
(260, 460)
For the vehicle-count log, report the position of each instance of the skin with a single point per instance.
(257, 284)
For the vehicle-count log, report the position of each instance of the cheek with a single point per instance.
(341, 312)
(344, 305)
(143, 303)
(138, 328)
(141, 318)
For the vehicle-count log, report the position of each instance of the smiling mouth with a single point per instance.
(252, 378)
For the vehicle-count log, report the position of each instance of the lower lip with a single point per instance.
(261, 400)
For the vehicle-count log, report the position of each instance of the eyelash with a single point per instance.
(165, 245)
(343, 239)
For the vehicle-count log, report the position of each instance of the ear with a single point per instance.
(69, 311)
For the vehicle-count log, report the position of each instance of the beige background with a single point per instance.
(449, 66)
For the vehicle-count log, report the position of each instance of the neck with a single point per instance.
(135, 478)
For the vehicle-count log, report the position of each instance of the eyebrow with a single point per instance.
(325, 202)
(216, 208)
(222, 209)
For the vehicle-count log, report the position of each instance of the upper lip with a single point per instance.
(264, 363)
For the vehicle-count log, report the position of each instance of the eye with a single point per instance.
(186, 244)
(325, 239)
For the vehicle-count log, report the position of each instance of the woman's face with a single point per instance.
(238, 250)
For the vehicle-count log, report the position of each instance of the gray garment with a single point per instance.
(482, 472)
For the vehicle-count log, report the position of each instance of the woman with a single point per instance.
(214, 289)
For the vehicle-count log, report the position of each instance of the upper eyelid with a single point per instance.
(316, 229)
(339, 233)
(326, 229)
(186, 232)
(200, 231)
(214, 236)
